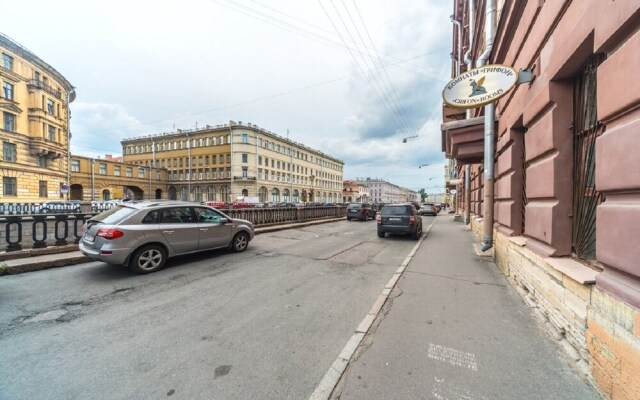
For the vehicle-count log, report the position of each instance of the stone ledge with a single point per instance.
(573, 269)
(518, 240)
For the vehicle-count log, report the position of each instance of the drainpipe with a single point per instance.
(469, 60)
(459, 56)
(489, 132)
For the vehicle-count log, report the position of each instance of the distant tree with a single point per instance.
(423, 195)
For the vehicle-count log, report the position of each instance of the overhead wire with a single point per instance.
(360, 68)
(389, 87)
(272, 20)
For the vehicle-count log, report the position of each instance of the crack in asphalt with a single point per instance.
(457, 279)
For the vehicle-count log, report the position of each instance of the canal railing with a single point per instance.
(23, 225)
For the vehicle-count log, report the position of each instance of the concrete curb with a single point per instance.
(61, 256)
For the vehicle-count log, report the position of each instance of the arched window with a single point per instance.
(211, 193)
(262, 194)
(245, 192)
(275, 195)
(225, 194)
(296, 196)
(106, 195)
(286, 195)
(195, 194)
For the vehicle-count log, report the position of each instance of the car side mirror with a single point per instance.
(224, 220)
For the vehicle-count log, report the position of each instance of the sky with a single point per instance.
(351, 78)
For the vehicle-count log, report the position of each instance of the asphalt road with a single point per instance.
(263, 324)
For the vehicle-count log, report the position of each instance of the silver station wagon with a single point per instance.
(144, 234)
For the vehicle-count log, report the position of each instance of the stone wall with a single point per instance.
(599, 332)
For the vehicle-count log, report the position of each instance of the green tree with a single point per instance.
(423, 195)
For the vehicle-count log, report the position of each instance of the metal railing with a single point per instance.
(34, 229)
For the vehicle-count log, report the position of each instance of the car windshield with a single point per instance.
(395, 210)
(355, 205)
(114, 215)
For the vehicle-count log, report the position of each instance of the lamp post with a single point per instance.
(423, 165)
(71, 96)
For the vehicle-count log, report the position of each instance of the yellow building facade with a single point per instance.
(34, 132)
(224, 162)
(101, 179)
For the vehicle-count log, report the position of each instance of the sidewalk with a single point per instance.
(38, 259)
(453, 328)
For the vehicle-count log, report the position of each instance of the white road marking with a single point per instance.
(452, 356)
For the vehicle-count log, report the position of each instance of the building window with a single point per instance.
(8, 152)
(228, 158)
(75, 166)
(244, 172)
(245, 138)
(116, 170)
(129, 172)
(42, 188)
(140, 172)
(7, 89)
(245, 158)
(50, 107)
(102, 169)
(7, 61)
(8, 122)
(52, 133)
(259, 160)
(42, 161)
(9, 186)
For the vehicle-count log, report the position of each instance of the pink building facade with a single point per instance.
(566, 182)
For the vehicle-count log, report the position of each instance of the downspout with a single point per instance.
(469, 60)
(489, 132)
(459, 56)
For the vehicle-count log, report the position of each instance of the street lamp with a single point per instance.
(423, 165)
(404, 140)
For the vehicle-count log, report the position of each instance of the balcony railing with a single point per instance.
(47, 88)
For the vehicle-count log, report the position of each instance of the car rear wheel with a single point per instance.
(416, 235)
(240, 242)
(147, 259)
(381, 234)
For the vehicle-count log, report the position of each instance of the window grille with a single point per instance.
(586, 128)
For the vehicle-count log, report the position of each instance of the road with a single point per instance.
(263, 324)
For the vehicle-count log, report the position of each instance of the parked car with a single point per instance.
(362, 211)
(428, 209)
(399, 218)
(58, 207)
(144, 234)
(217, 204)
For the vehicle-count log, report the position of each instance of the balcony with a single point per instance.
(35, 84)
(463, 140)
(40, 147)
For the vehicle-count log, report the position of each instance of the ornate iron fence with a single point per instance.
(35, 230)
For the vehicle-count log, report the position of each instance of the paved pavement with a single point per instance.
(454, 328)
(447, 326)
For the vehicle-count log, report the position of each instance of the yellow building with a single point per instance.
(109, 178)
(34, 132)
(224, 162)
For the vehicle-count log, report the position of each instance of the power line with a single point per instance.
(255, 100)
(362, 72)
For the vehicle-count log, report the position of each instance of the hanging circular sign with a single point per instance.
(479, 86)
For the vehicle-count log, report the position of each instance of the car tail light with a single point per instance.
(379, 218)
(412, 220)
(110, 234)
